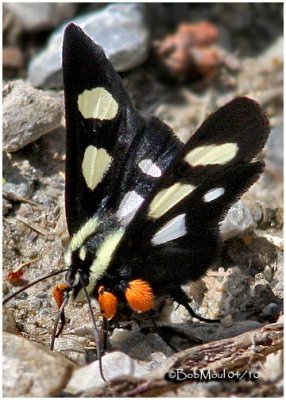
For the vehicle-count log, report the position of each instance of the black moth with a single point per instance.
(143, 209)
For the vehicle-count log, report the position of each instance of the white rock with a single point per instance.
(114, 364)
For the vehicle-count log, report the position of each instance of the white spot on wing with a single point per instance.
(168, 198)
(148, 167)
(128, 207)
(171, 230)
(212, 154)
(95, 164)
(97, 103)
(213, 194)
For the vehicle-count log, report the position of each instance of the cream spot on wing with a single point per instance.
(95, 164)
(97, 103)
(79, 237)
(213, 194)
(212, 154)
(172, 230)
(150, 168)
(128, 207)
(168, 198)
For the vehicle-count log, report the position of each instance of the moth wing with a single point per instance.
(106, 138)
(207, 176)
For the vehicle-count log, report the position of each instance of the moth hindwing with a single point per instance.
(143, 210)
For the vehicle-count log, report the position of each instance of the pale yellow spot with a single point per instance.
(97, 103)
(168, 198)
(82, 253)
(95, 164)
(212, 154)
(103, 257)
(78, 239)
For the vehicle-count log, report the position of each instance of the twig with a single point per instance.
(233, 354)
(33, 226)
(17, 198)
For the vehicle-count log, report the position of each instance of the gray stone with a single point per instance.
(28, 114)
(237, 221)
(274, 151)
(152, 343)
(40, 16)
(31, 370)
(114, 365)
(19, 188)
(119, 28)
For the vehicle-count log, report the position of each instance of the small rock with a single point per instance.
(31, 370)
(6, 207)
(272, 368)
(37, 114)
(227, 321)
(12, 58)
(237, 221)
(274, 151)
(114, 365)
(119, 28)
(152, 343)
(268, 273)
(272, 311)
(188, 54)
(40, 16)
(9, 322)
(19, 189)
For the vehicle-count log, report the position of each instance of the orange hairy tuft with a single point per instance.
(107, 302)
(139, 295)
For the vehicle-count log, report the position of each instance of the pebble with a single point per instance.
(31, 370)
(271, 311)
(37, 115)
(9, 322)
(274, 151)
(19, 188)
(33, 17)
(12, 58)
(119, 28)
(238, 220)
(114, 365)
(150, 344)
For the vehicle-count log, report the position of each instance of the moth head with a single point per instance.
(78, 274)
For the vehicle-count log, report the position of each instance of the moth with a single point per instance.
(143, 209)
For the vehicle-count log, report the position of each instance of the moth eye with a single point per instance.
(107, 303)
(139, 295)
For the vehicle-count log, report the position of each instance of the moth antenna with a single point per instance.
(8, 298)
(60, 316)
(95, 329)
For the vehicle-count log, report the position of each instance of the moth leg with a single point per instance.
(180, 297)
(105, 330)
